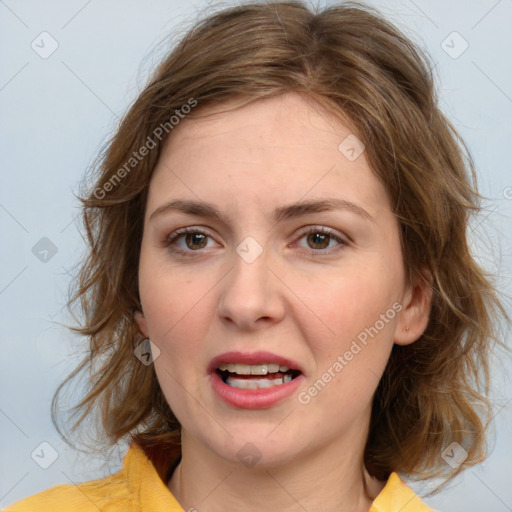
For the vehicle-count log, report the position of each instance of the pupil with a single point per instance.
(196, 239)
(316, 239)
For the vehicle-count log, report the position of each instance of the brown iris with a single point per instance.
(198, 240)
(318, 239)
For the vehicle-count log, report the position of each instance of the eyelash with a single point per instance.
(176, 235)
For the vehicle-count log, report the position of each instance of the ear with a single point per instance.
(140, 320)
(415, 312)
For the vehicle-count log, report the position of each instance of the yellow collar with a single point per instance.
(140, 485)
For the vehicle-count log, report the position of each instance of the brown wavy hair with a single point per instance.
(351, 60)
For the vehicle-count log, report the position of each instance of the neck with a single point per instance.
(330, 478)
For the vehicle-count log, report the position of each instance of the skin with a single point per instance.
(292, 300)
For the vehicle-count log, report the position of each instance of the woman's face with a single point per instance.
(291, 258)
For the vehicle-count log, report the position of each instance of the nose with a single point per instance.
(251, 294)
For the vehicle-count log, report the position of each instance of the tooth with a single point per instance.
(287, 378)
(223, 367)
(259, 369)
(273, 368)
(264, 383)
(242, 369)
(253, 383)
(231, 367)
(283, 369)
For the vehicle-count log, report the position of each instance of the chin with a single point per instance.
(255, 448)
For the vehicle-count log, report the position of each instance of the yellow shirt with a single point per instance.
(138, 487)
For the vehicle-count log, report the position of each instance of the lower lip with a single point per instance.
(254, 398)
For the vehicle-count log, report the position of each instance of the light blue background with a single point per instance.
(55, 114)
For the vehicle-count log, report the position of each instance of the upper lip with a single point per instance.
(260, 357)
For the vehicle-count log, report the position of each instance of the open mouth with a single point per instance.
(255, 376)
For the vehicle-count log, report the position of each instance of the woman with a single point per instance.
(282, 308)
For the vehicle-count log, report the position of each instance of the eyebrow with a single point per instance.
(207, 210)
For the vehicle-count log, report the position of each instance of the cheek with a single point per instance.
(179, 307)
(355, 313)
(355, 296)
(175, 302)
(350, 360)
(179, 324)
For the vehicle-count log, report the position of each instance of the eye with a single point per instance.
(189, 239)
(319, 239)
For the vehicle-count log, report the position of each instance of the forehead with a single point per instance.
(286, 148)
(291, 122)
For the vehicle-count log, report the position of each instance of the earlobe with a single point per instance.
(140, 320)
(415, 313)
